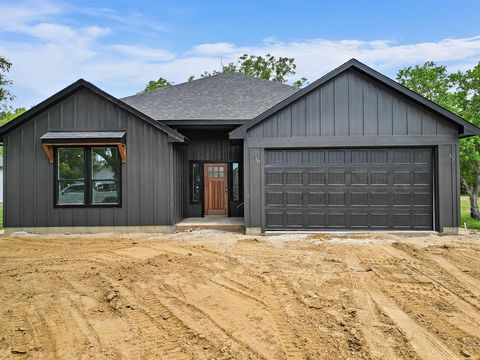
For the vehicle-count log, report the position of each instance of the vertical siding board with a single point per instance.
(285, 122)
(256, 131)
(385, 105)
(370, 98)
(298, 118)
(414, 119)
(341, 105)
(399, 117)
(270, 128)
(327, 109)
(355, 104)
(312, 113)
(429, 125)
(445, 128)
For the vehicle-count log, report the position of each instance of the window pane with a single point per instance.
(104, 192)
(71, 176)
(195, 182)
(235, 182)
(106, 170)
(105, 163)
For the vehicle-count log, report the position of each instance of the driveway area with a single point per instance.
(212, 295)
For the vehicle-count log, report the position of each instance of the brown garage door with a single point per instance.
(355, 189)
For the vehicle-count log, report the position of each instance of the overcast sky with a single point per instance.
(120, 45)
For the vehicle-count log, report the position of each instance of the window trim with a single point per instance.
(87, 153)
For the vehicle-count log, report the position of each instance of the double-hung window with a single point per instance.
(88, 175)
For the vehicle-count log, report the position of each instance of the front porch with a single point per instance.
(222, 223)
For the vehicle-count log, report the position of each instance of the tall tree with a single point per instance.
(460, 93)
(161, 83)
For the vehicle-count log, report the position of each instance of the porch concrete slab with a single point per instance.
(223, 223)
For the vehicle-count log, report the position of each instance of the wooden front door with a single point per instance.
(216, 189)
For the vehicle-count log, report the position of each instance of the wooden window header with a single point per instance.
(84, 138)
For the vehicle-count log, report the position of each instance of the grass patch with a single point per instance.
(465, 214)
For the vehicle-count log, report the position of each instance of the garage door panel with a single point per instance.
(376, 189)
(316, 198)
(294, 177)
(316, 178)
(294, 198)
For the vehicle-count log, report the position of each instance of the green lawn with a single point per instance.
(465, 214)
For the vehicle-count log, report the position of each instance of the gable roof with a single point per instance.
(468, 129)
(227, 97)
(173, 135)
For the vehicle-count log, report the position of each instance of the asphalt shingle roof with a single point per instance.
(227, 96)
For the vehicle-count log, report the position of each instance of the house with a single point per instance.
(353, 150)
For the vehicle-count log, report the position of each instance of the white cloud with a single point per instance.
(144, 53)
(51, 53)
(214, 49)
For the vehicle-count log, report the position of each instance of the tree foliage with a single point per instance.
(161, 83)
(460, 93)
(266, 67)
(5, 94)
(9, 115)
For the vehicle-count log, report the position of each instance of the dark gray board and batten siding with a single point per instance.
(146, 187)
(353, 110)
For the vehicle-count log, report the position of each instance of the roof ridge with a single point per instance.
(209, 78)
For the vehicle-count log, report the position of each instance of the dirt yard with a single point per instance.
(227, 296)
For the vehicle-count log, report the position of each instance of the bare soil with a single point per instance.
(210, 295)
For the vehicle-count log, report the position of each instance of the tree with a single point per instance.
(460, 93)
(161, 83)
(5, 94)
(266, 67)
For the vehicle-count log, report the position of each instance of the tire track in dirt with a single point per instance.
(285, 333)
(163, 329)
(216, 330)
(467, 317)
(377, 340)
(427, 345)
(403, 255)
(467, 281)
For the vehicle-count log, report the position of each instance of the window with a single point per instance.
(88, 176)
(195, 183)
(235, 182)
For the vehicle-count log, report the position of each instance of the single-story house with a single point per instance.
(353, 150)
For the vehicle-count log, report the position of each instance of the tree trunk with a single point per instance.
(474, 212)
(472, 192)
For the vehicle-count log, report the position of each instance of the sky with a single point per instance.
(121, 45)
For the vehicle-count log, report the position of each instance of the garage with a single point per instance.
(353, 151)
(349, 189)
